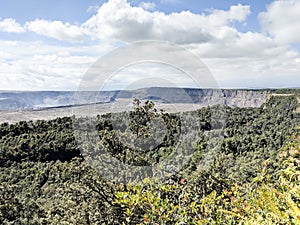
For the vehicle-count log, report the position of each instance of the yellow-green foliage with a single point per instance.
(260, 202)
(279, 202)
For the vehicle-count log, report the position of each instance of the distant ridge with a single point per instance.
(30, 100)
(20, 100)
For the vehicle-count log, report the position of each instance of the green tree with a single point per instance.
(141, 116)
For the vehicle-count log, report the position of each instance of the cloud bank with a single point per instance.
(281, 21)
(236, 58)
(10, 25)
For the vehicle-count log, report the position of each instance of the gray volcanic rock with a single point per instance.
(230, 97)
(44, 105)
(49, 99)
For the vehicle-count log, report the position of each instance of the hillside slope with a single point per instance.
(44, 179)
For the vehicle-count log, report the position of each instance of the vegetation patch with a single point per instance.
(236, 175)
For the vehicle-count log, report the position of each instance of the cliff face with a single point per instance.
(40, 100)
(230, 97)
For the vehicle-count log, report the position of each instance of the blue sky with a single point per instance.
(49, 45)
(64, 10)
(79, 11)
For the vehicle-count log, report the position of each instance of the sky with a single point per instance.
(50, 45)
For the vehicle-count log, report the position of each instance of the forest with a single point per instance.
(224, 166)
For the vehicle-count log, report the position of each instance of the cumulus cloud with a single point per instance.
(11, 26)
(249, 45)
(118, 20)
(235, 58)
(261, 72)
(281, 21)
(168, 1)
(39, 66)
(56, 29)
(147, 5)
(235, 13)
(93, 8)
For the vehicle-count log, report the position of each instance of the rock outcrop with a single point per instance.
(52, 99)
(230, 97)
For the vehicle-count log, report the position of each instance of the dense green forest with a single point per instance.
(243, 167)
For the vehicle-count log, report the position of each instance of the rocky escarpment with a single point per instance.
(230, 97)
(53, 99)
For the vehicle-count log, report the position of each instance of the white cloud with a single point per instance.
(148, 74)
(235, 13)
(56, 29)
(118, 20)
(39, 66)
(281, 71)
(93, 8)
(237, 59)
(11, 26)
(234, 44)
(281, 21)
(252, 60)
(169, 1)
(147, 5)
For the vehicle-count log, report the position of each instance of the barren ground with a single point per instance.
(87, 110)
